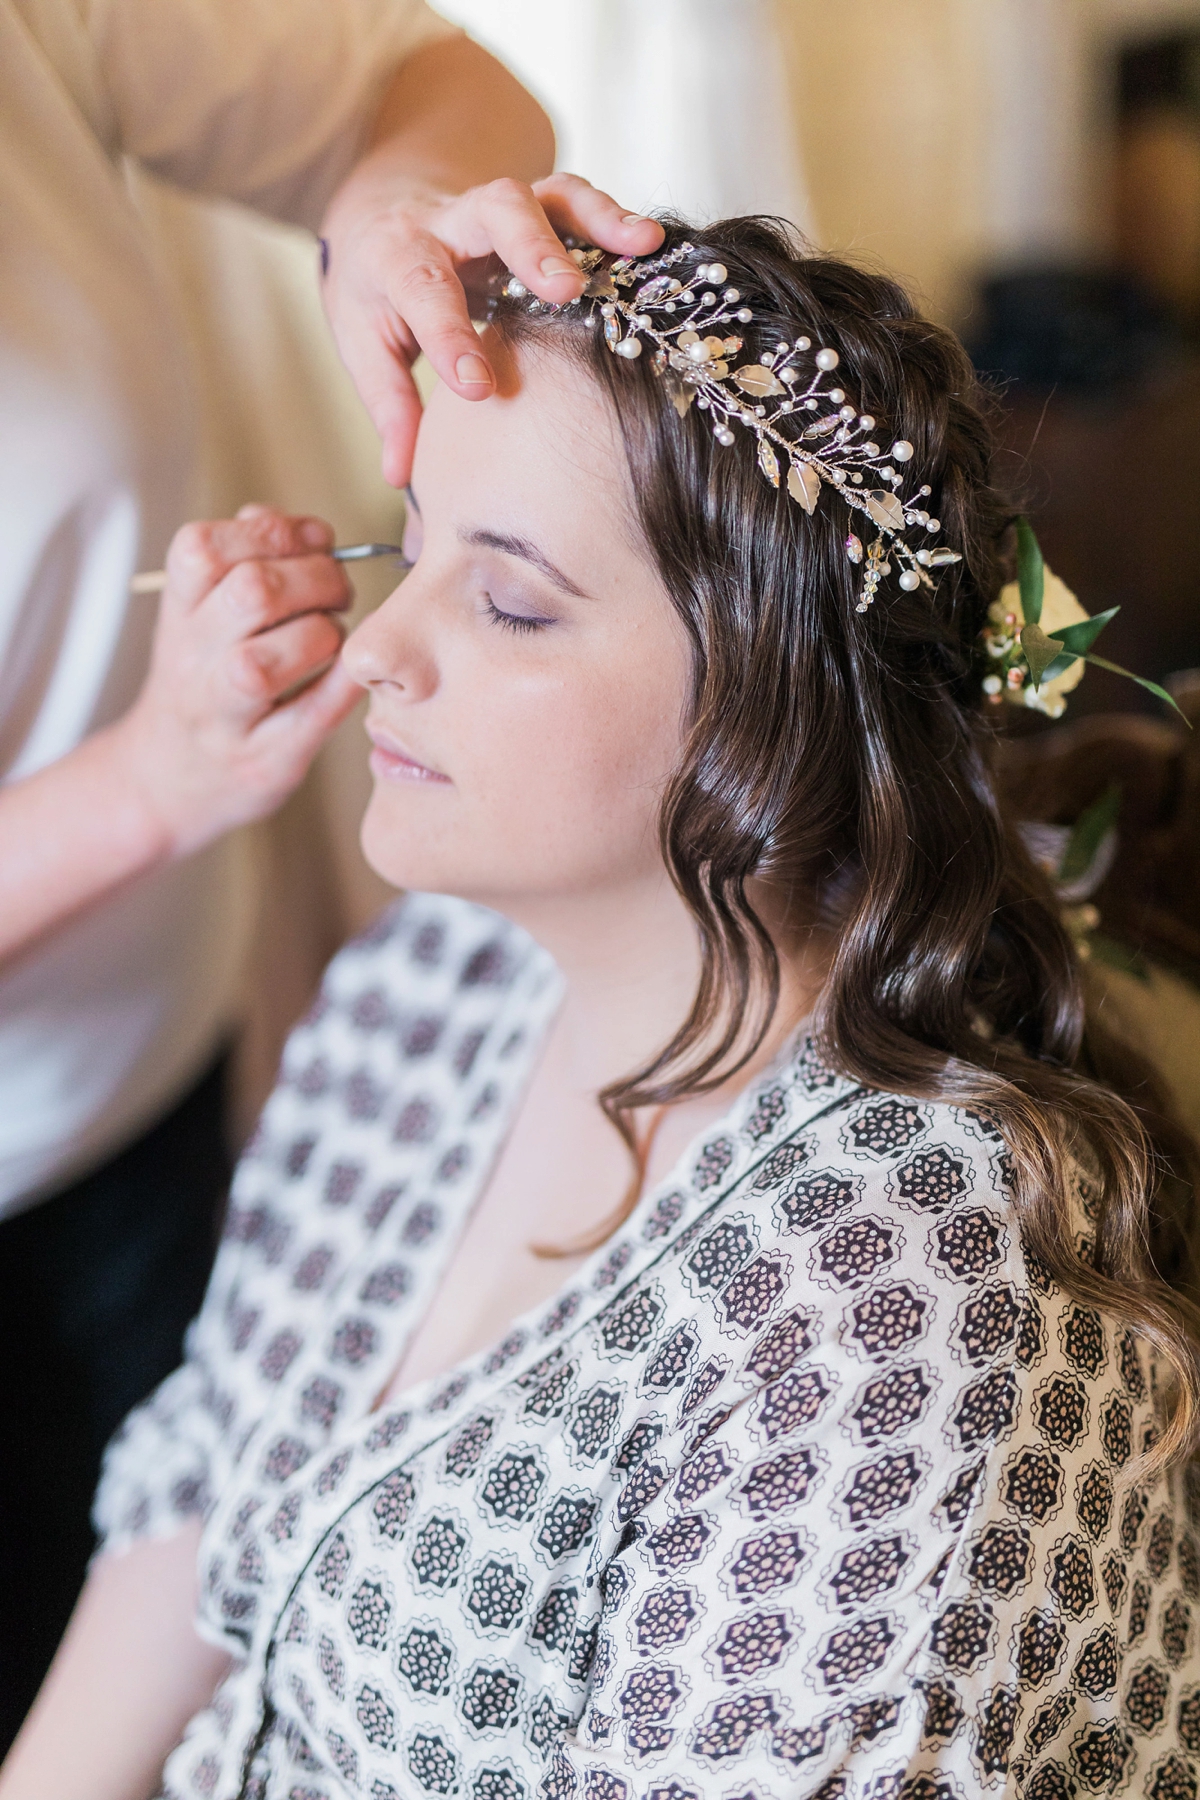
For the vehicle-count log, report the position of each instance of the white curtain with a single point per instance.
(665, 103)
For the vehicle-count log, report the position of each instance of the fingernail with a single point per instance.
(635, 219)
(472, 371)
(558, 265)
(314, 533)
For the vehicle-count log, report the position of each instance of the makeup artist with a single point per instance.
(130, 749)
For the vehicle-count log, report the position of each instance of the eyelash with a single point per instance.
(513, 621)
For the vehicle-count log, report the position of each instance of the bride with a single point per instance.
(685, 1325)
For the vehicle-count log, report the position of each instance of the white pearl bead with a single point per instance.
(902, 450)
(717, 272)
(845, 412)
(991, 684)
(745, 315)
(731, 296)
(802, 343)
(708, 299)
(934, 525)
(867, 422)
(828, 359)
(871, 449)
(629, 347)
(723, 435)
(701, 272)
(837, 396)
(910, 580)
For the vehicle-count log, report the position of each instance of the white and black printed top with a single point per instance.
(809, 1483)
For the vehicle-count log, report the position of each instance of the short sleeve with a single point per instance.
(250, 99)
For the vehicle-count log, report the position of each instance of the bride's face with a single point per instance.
(528, 679)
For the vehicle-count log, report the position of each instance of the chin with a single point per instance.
(420, 853)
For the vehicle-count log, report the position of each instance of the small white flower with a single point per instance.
(1059, 608)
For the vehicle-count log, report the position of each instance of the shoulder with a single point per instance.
(417, 991)
(877, 1235)
(424, 944)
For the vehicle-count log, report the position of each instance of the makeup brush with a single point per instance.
(155, 580)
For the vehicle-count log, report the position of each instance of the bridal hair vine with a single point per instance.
(688, 319)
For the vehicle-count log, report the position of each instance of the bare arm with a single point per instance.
(129, 1674)
(213, 740)
(452, 177)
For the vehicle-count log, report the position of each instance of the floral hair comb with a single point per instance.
(688, 320)
(809, 434)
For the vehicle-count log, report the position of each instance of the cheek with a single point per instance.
(573, 771)
(557, 780)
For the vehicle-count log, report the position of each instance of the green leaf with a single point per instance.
(1040, 652)
(1031, 573)
(1080, 636)
(1059, 666)
(1151, 687)
(1088, 833)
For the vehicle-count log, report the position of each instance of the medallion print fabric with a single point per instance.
(810, 1482)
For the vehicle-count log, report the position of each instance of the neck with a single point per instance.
(630, 957)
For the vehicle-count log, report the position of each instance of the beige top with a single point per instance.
(267, 104)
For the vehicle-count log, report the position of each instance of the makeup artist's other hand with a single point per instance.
(219, 734)
(406, 268)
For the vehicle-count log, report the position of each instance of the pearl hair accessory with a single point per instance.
(685, 317)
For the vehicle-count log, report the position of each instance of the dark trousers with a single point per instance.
(97, 1287)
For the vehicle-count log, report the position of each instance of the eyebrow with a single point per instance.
(527, 552)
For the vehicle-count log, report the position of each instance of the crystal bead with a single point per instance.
(612, 331)
(651, 292)
(768, 462)
(854, 550)
(940, 558)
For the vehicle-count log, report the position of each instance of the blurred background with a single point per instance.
(1031, 169)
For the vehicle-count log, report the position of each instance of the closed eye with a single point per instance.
(514, 621)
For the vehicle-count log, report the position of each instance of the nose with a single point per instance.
(391, 647)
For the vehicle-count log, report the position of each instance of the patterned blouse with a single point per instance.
(810, 1482)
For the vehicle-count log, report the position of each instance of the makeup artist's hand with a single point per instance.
(245, 678)
(404, 272)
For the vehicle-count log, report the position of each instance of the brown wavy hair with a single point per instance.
(841, 760)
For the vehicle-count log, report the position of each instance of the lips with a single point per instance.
(390, 761)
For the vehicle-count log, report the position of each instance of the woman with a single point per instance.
(845, 1457)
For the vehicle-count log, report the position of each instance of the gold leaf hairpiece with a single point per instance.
(689, 318)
